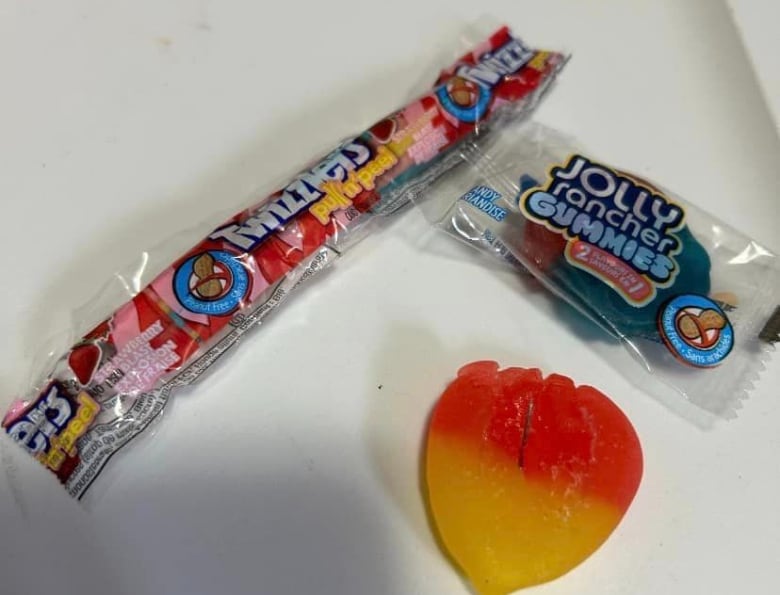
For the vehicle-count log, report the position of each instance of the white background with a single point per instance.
(290, 471)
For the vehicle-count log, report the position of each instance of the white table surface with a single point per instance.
(289, 471)
(757, 21)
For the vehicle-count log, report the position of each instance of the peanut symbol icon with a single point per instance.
(695, 328)
(209, 280)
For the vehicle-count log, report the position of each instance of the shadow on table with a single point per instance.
(278, 535)
(281, 532)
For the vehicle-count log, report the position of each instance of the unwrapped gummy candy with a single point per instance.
(526, 476)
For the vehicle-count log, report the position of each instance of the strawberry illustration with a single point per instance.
(383, 130)
(84, 360)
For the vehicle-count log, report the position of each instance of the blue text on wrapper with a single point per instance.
(585, 200)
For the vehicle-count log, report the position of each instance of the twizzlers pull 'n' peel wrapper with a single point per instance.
(695, 301)
(116, 380)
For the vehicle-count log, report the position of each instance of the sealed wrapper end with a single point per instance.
(107, 388)
(693, 300)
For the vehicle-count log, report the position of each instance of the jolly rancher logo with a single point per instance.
(619, 230)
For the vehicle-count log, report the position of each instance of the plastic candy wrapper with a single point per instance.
(108, 388)
(693, 300)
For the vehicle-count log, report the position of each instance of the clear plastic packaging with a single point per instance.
(693, 300)
(110, 385)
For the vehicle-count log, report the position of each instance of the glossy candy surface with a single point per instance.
(526, 476)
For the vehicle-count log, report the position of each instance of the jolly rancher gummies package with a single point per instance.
(693, 300)
(109, 386)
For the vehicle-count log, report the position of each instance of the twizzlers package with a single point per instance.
(107, 388)
(694, 301)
